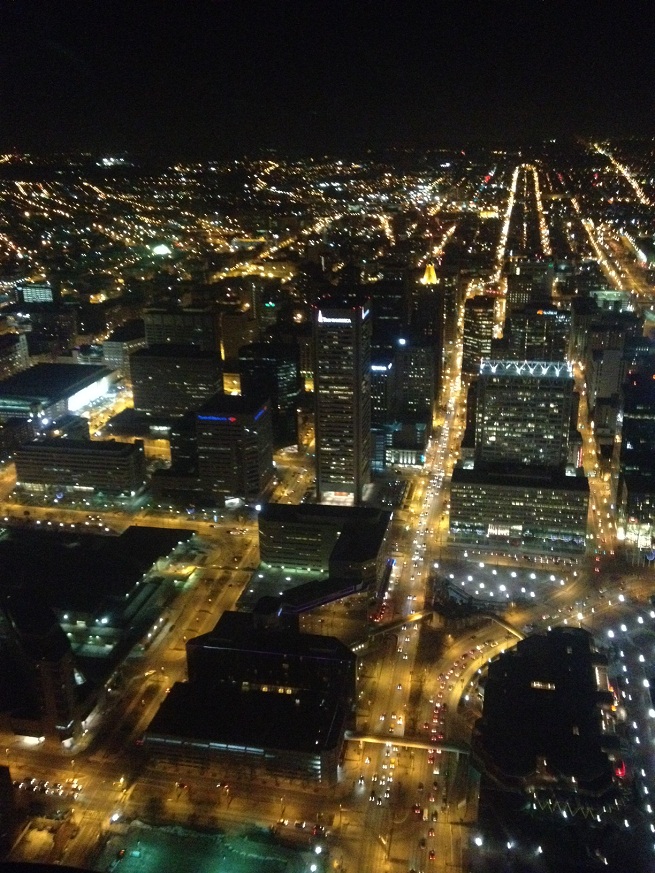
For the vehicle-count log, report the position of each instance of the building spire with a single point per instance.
(430, 276)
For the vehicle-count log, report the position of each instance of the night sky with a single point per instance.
(190, 78)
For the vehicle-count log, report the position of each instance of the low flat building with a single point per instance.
(563, 751)
(49, 391)
(71, 465)
(97, 596)
(264, 697)
(542, 508)
(343, 542)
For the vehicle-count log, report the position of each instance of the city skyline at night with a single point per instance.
(327, 437)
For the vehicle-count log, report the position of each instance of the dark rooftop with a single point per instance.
(51, 382)
(131, 422)
(93, 447)
(81, 571)
(8, 340)
(230, 404)
(255, 719)
(550, 681)
(316, 592)
(131, 330)
(238, 630)
(511, 476)
(175, 350)
(319, 513)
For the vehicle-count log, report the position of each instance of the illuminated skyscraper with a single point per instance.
(478, 331)
(523, 413)
(342, 388)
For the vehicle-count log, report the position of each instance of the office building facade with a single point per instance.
(523, 508)
(271, 371)
(171, 379)
(235, 447)
(123, 342)
(342, 389)
(535, 333)
(523, 412)
(478, 332)
(529, 283)
(14, 355)
(198, 326)
(81, 466)
(415, 379)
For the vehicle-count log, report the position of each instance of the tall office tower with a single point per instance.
(14, 356)
(388, 315)
(54, 328)
(171, 379)
(535, 333)
(272, 371)
(451, 296)
(342, 390)
(382, 381)
(426, 309)
(478, 332)
(523, 413)
(238, 329)
(428, 317)
(604, 354)
(235, 447)
(414, 382)
(121, 343)
(529, 282)
(298, 335)
(636, 483)
(198, 326)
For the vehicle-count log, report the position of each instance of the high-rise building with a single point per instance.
(14, 356)
(523, 413)
(235, 447)
(636, 481)
(414, 382)
(389, 315)
(171, 379)
(478, 331)
(342, 389)
(529, 282)
(535, 333)
(271, 371)
(426, 308)
(238, 329)
(126, 339)
(198, 326)
(53, 328)
(604, 357)
(382, 381)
